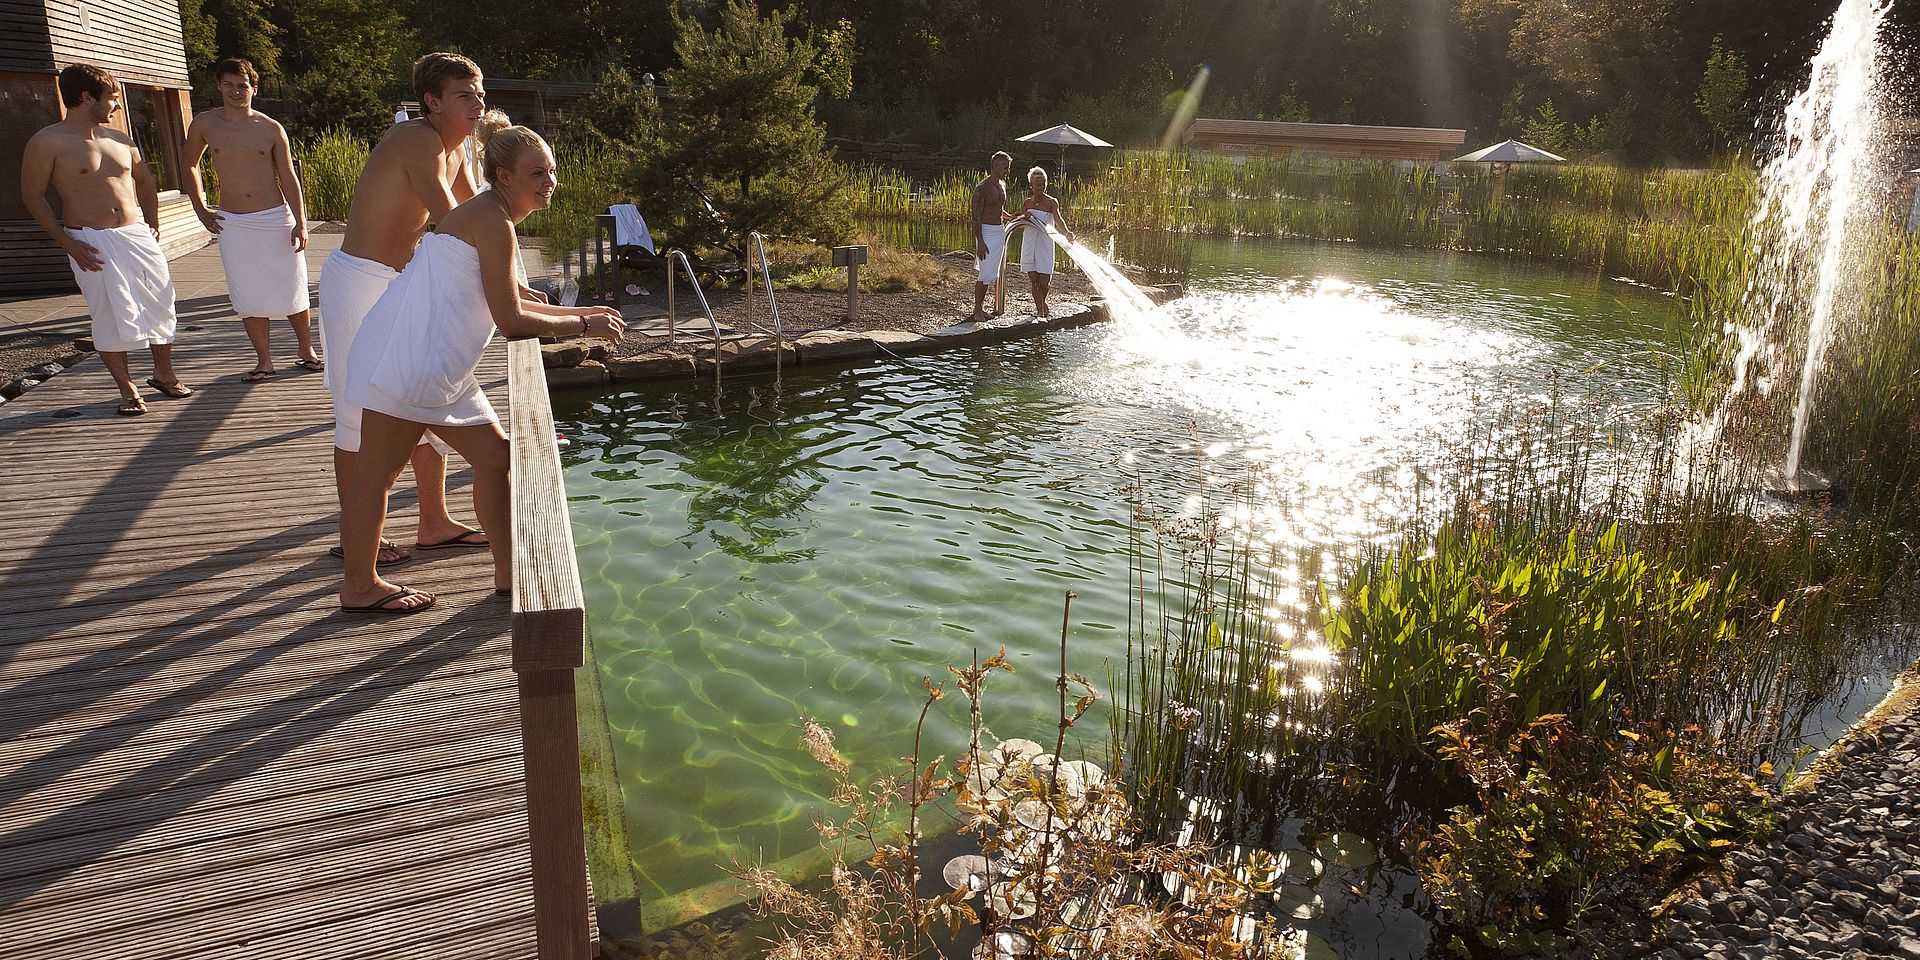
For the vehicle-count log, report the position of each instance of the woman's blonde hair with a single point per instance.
(1042, 171)
(503, 143)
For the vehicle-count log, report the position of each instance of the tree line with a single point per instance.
(1634, 81)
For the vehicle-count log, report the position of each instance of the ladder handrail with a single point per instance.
(674, 255)
(758, 244)
(1000, 282)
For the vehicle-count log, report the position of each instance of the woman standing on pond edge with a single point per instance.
(1036, 248)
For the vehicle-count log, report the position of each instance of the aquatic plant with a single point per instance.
(1560, 821)
(1062, 869)
(1629, 613)
(330, 167)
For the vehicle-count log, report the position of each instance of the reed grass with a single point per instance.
(589, 182)
(330, 167)
(1619, 592)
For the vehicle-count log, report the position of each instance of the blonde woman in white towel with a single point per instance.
(413, 360)
(262, 220)
(1036, 246)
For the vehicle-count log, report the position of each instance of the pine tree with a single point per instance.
(743, 150)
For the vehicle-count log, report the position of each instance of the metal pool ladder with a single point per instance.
(1006, 256)
(758, 246)
(676, 255)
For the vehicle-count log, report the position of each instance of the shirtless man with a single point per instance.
(415, 174)
(262, 220)
(105, 192)
(989, 240)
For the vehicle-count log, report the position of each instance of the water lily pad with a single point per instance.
(1299, 903)
(999, 773)
(1349, 850)
(1034, 815)
(1086, 773)
(969, 873)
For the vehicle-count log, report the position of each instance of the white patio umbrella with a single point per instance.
(1066, 135)
(1511, 151)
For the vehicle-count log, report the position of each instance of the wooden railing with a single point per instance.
(549, 640)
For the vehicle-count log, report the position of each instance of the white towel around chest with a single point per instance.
(422, 341)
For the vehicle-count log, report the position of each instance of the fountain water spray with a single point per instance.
(1814, 193)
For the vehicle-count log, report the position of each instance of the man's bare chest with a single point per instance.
(241, 143)
(84, 160)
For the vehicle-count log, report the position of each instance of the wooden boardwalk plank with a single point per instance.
(198, 753)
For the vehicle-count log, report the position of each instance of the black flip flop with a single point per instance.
(341, 553)
(314, 365)
(384, 605)
(458, 541)
(257, 376)
(131, 407)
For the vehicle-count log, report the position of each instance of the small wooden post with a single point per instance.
(851, 257)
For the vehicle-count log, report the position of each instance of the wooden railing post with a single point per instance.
(549, 637)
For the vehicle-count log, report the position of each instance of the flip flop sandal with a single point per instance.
(385, 605)
(305, 364)
(132, 407)
(340, 553)
(257, 376)
(458, 541)
(173, 391)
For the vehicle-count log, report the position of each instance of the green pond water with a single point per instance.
(813, 546)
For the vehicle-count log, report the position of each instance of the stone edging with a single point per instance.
(80, 349)
(1841, 879)
(573, 363)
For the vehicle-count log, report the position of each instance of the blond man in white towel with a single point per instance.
(106, 192)
(262, 220)
(989, 230)
(417, 173)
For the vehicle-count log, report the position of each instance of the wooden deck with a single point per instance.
(199, 757)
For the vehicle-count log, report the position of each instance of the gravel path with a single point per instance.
(1842, 878)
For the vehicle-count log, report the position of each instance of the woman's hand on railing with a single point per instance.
(603, 322)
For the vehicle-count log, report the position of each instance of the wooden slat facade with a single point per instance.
(200, 757)
(26, 43)
(140, 42)
(1337, 140)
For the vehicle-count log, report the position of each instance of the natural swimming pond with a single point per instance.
(765, 550)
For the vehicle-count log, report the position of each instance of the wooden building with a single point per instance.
(542, 105)
(1264, 138)
(139, 41)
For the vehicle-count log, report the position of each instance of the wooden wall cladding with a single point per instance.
(138, 40)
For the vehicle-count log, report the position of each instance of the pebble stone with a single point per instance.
(1840, 881)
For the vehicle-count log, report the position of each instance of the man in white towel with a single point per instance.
(989, 228)
(105, 193)
(262, 220)
(415, 174)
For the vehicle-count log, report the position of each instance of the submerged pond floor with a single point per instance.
(760, 550)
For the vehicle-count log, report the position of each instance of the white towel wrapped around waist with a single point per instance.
(422, 341)
(988, 267)
(349, 287)
(130, 297)
(266, 276)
